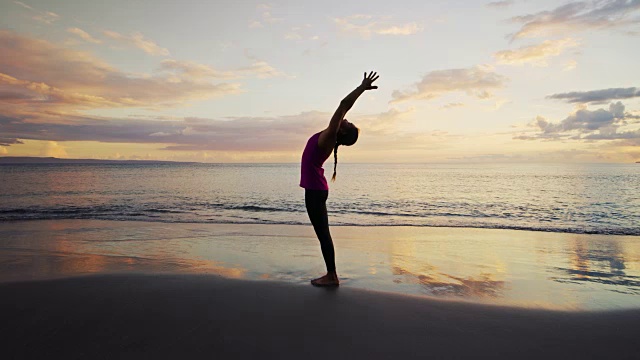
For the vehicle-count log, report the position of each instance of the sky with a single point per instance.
(250, 81)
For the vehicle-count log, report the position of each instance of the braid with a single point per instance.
(335, 161)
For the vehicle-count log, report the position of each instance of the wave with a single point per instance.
(241, 214)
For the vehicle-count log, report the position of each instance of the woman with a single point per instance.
(319, 147)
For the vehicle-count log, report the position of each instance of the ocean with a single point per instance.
(569, 198)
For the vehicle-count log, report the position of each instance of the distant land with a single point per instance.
(53, 160)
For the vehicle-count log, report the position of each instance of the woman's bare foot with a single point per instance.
(331, 279)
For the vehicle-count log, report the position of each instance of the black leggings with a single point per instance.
(316, 203)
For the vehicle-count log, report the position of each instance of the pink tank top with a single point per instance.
(312, 173)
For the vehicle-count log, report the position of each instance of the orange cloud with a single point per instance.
(137, 40)
(476, 81)
(259, 68)
(535, 54)
(53, 149)
(37, 73)
(83, 35)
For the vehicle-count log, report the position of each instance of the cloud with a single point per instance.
(8, 140)
(384, 123)
(406, 29)
(578, 16)
(137, 40)
(23, 5)
(491, 158)
(244, 134)
(500, 4)
(258, 68)
(53, 149)
(475, 81)
(586, 121)
(597, 96)
(292, 35)
(265, 17)
(46, 17)
(615, 136)
(36, 73)
(28, 92)
(3, 150)
(570, 65)
(367, 25)
(254, 24)
(195, 70)
(269, 19)
(452, 105)
(499, 103)
(300, 33)
(83, 35)
(584, 124)
(535, 54)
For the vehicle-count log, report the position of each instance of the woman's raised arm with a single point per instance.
(328, 137)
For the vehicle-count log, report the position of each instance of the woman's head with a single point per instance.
(347, 135)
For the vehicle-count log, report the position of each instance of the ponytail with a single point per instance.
(347, 139)
(335, 161)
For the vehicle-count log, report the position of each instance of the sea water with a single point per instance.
(570, 198)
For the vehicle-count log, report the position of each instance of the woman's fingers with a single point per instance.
(373, 76)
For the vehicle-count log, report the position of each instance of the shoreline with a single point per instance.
(504, 228)
(166, 316)
(488, 266)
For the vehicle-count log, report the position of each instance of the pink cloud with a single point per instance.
(37, 72)
(244, 134)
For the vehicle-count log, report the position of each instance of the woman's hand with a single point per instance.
(368, 80)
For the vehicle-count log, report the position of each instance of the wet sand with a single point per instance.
(496, 267)
(197, 316)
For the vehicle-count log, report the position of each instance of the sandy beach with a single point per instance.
(117, 289)
(559, 271)
(190, 316)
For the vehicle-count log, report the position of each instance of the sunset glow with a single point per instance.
(250, 81)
